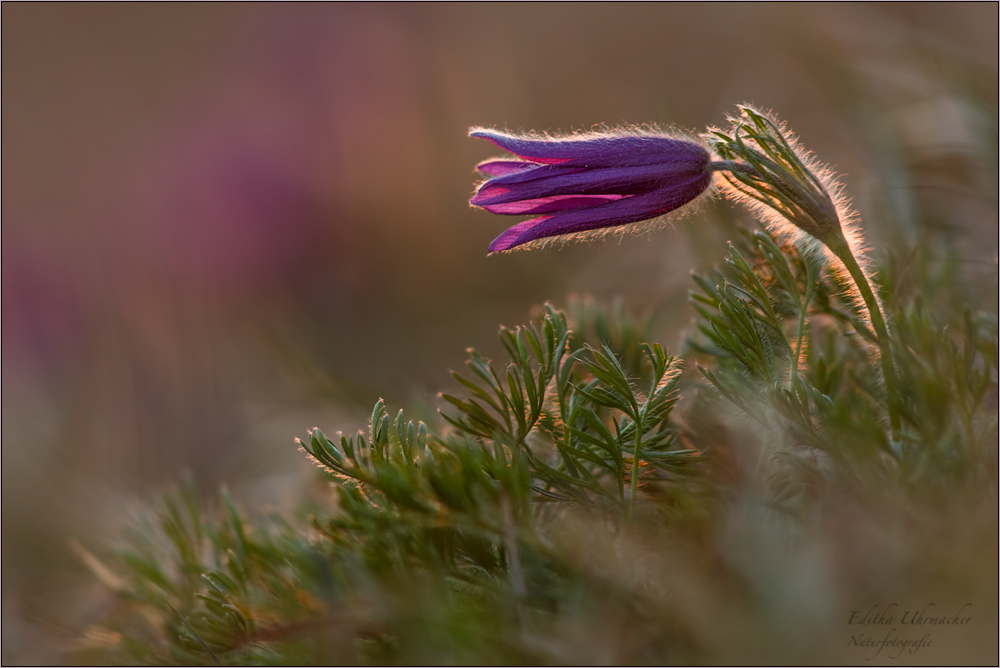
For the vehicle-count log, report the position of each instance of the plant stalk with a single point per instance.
(838, 244)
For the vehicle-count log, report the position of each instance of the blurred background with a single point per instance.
(224, 224)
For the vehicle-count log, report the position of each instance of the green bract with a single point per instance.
(768, 167)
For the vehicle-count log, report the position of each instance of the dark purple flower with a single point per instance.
(587, 183)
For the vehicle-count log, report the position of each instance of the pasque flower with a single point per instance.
(588, 182)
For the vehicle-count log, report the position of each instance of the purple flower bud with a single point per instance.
(587, 183)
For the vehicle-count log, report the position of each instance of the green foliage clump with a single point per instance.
(591, 500)
(798, 361)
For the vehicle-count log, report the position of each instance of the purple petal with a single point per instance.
(537, 171)
(600, 151)
(620, 212)
(550, 204)
(509, 239)
(504, 167)
(616, 181)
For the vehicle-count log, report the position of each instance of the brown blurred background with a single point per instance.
(226, 223)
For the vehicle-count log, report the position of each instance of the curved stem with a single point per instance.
(841, 249)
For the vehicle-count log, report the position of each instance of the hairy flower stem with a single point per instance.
(634, 488)
(838, 244)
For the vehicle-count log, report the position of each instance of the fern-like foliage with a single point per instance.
(791, 355)
(561, 512)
